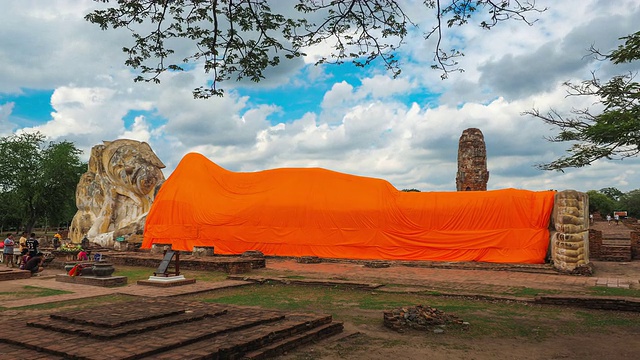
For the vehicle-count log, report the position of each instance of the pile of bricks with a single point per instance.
(420, 318)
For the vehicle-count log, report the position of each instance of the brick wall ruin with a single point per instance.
(472, 162)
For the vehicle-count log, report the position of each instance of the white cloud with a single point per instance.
(5, 125)
(404, 130)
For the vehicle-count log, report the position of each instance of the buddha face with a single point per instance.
(136, 167)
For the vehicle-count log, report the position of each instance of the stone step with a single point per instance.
(615, 253)
(117, 316)
(13, 274)
(288, 344)
(290, 332)
(157, 341)
(11, 351)
(152, 328)
(613, 241)
(105, 333)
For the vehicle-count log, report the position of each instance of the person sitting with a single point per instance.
(83, 255)
(35, 264)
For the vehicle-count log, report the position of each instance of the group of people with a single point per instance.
(616, 218)
(28, 256)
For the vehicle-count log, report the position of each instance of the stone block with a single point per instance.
(201, 251)
(159, 248)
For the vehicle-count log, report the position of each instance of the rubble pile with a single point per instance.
(420, 318)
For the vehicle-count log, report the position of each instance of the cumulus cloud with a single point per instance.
(403, 129)
(5, 125)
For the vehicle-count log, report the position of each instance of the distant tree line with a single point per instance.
(606, 201)
(38, 181)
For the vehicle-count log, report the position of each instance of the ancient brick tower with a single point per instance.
(472, 162)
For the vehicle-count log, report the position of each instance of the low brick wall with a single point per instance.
(14, 274)
(609, 252)
(107, 281)
(595, 244)
(620, 253)
(230, 265)
(603, 303)
(635, 245)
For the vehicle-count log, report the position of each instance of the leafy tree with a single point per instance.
(8, 217)
(614, 133)
(39, 181)
(601, 203)
(631, 203)
(612, 193)
(237, 39)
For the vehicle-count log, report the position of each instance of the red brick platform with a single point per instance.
(228, 264)
(162, 329)
(104, 281)
(13, 274)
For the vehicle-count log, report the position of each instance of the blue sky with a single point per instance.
(65, 78)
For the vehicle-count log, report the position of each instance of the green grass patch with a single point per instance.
(596, 320)
(31, 292)
(487, 318)
(607, 291)
(269, 296)
(135, 273)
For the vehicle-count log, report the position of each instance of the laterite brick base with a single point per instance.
(162, 329)
(104, 281)
(14, 274)
(228, 264)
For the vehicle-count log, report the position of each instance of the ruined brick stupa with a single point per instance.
(472, 162)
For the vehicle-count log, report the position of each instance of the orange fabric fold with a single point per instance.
(318, 212)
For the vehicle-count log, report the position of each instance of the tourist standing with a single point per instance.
(23, 248)
(7, 252)
(608, 219)
(32, 245)
(617, 218)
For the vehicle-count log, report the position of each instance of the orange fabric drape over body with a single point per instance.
(317, 212)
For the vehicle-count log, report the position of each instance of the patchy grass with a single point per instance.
(607, 291)
(31, 292)
(135, 273)
(498, 319)
(77, 304)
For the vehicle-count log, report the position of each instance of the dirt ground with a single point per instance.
(616, 269)
(376, 342)
(371, 344)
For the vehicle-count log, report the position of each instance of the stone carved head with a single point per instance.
(133, 164)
